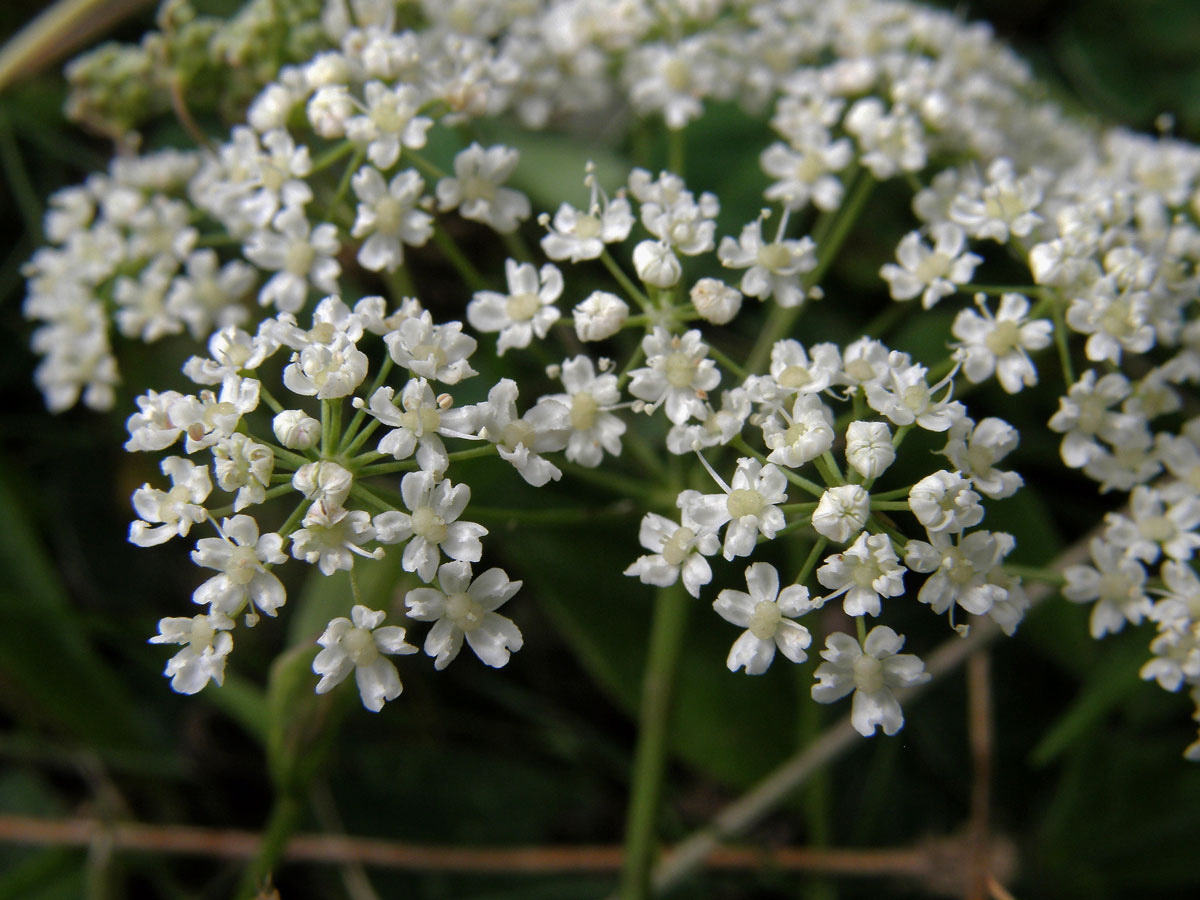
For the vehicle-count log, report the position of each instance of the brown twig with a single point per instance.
(914, 862)
(749, 809)
(979, 726)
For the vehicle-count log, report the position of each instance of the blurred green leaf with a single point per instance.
(49, 673)
(1109, 682)
(726, 724)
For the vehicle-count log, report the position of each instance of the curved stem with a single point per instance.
(666, 644)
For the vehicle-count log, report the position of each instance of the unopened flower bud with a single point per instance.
(716, 301)
(600, 316)
(296, 430)
(869, 448)
(323, 481)
(656, 264)
(842, 512)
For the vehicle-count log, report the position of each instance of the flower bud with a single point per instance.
(296, 430)
(600, 316)
(869, 448)
(323, 481)
(656, 264)
(716, 301)
(842, 512)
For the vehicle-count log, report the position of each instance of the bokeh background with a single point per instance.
(1092, 796)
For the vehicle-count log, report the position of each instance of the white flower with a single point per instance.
(766, 613)
(944, 501)
(965, 570)
(1085, 414)
(177, 509)
(1117, 585)
(772, 269)
(750, 506)
(241, 556)
(233, 351)
(1001, 344)
(330, 535)
(432, 526)
(656, 264)
(873, 672)
(243, 465)
(672, 79)
(326, 371)
(298, 254)
(466, 608)
(676, 374)
(476, 188)
(521, 441)
(577, 235)
(869, 449)
(1116, 320)
(1004, 205)
(296, 429)
(865, 572)
(207, 643)
(905, 397)
(323, 481)
(418, 423)
(152, 428)
(589, 400)
(208, 417)
(436, 352)
(676, 550)
(891, 141)
(388, 217)
(794, 371)
(1155, 527)
(801, 436)
(975, 450)
(210, 294)
(526, 310)
(803, 172)
(390, 122)
(358, 644)
(841, 512)
(717, 427)
(715, 301)
(935, 273)
(600, 316)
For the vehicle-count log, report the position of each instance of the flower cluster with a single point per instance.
(351, 171)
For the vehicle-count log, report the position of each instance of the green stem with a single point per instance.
(666, 643)
(294, 519)
(369, 497)
(344, 184)
(1034, 573)
(727, 362)
(269, 495)
(1060, 341)
(331, 156)
(459, 260)
(349, 443)
(407, 465)
(285, 817)
(811, 562)
(516, 246)
(266, 395)
(565, 516)
(780, 321)
(676, 151)
(627, 285)
(611, 481)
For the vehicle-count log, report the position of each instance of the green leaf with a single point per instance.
(1108, 683)
(729, 725)
(49, 672)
